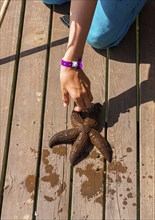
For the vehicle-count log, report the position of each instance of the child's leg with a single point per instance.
(55, 2)
(111, 21)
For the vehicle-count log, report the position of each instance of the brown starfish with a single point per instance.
(84, 129)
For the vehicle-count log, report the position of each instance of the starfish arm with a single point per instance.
(76, 119)
(103, 146)
(92, 119)
(64, 137)
(92, 123)
(78, 146)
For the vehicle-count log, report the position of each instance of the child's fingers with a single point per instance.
(86, 100)
(80, 104)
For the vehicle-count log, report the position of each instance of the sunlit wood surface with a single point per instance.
(37, 182)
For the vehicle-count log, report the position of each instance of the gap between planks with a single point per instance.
(26, 117)
(42, 114)
(11, 105)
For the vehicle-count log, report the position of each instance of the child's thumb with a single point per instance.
(65, 97)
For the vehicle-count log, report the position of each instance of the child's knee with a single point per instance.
(55, 2)
(100, 40)
(112, 21)
(94, 41)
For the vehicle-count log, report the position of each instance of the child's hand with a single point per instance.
(75, 83)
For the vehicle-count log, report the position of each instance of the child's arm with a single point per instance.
(73, 81)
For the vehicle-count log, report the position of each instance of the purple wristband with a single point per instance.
(76, 64)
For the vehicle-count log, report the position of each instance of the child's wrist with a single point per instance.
(72, 54)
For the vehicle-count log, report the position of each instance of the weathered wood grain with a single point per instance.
(147, 112)
(53, 195)
(87, 194)
(8, 40)
(121, 173)
(3, 10)
(20, 176)
(88, 174)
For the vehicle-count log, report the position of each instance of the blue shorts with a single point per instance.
(111, 21)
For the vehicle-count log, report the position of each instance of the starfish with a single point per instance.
(84, 130)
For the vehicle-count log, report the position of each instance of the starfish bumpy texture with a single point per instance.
(84, 130)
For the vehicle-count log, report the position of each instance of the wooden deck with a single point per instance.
(37, 182)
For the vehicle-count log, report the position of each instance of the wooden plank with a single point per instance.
(147, 112)
(3, 10)
(8, 40)
(53, 195)
(87, 194)
(121, 173)
(20, 176)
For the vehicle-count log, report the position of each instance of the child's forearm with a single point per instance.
(81, 14)
(73, 84)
